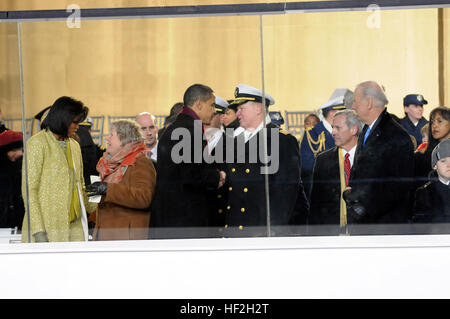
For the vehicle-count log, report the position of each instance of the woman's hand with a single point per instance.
(97, 188)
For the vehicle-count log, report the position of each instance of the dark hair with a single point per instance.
(62, 113)
(326, 111)
(195, 92)
(445, 113)
(313, 115)
(176, 108)
(432, 142)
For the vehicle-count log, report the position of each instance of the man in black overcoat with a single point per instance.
(383, 171)
(246, 212)
(185, 179)
(331, 175)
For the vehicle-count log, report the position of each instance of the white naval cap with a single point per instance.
(220, 104)
(244, 93)
(337, 100)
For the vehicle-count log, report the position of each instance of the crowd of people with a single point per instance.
(223, 168)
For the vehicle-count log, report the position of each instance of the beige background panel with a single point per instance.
(307, 56)
(123, 67)
(446, 46)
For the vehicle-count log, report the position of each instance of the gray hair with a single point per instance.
(373, 90)
(351, 119)
(128, 131)
(147, 113)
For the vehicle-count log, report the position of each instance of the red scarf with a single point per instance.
(189, 112)
(112, 169)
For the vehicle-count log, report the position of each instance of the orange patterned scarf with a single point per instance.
(112, 168)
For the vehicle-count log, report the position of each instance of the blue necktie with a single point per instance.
(366, 135)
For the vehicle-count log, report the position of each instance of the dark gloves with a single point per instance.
(40, 237)
(354, 207)
(97, 188)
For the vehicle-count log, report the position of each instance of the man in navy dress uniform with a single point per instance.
(413, 120)
(249, 211)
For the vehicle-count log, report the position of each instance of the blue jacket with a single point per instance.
(412, 129)
(307, 153)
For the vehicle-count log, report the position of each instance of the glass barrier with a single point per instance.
(119, 69)
(317, 65)
(242, 163)
(11, 202)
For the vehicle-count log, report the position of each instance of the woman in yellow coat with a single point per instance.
(56, 199)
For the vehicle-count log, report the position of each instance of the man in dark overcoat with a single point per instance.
(185, 178)
(382, 174)
(247, 213)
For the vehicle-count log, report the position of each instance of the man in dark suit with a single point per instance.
(319, 138)
(249, 211)
(381, 177)
(331, 175)
(186, 178)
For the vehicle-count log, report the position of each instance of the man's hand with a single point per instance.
(354, 207)
(222, 179)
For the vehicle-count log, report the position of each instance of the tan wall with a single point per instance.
(122, 67)
(446, 45)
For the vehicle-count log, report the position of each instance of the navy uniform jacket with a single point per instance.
(412, 129)
(183, 191)
(383, 171)
(307, 154)
(432, 203)
(326, 189)
(246, 204)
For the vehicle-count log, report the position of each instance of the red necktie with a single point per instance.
(347, 168)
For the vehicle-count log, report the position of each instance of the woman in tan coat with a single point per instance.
(127, 186)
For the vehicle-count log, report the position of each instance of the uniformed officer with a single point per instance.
(319, 138)
(276, 118)
(214, 130)
(246, 212)
(414, 120)
(229, 119)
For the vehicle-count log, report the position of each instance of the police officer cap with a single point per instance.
(416, 99)
(244, 93)
(442, 150)
(276, 118)
(221, 105)
(336, 101)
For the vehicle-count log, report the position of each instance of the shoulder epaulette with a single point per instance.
(426, 185)
(318, 145)
(285, 132)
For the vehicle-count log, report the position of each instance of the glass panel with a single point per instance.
(313, 63)
(11, 141)
(118, 69)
